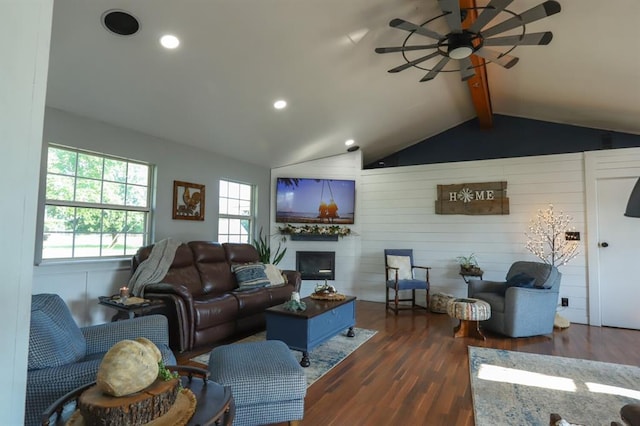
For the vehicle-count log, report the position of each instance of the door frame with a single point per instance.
(598, 165)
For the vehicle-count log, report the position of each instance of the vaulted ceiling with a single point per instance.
(216, 90)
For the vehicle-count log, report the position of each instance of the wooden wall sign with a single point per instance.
(473, 198)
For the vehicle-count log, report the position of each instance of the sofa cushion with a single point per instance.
(213, 311)
(54, 337)
(183, 270)
(250, 275)
(215, 274)
(546, 276)
(252, 301)
(280, 293)
(241, 253)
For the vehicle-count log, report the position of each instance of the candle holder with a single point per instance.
(124, 294)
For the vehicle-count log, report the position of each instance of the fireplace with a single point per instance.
(316, 265)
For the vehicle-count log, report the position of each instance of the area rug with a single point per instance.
(516, 388)
(323, 358)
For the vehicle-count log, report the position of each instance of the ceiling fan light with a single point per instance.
(460, 52)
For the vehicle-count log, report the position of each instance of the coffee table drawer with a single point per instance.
(330, 323)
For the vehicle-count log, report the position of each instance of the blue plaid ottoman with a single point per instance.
(267, 383)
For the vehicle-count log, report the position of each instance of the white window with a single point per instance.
(95, 206)
(235, 215)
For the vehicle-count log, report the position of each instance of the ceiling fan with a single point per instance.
(460, 43)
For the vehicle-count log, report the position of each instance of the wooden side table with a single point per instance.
(470, 312)
(466, 276)
(214, 402)
(129, 310)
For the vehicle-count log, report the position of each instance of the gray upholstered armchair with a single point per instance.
(524, 305)
(63, 356)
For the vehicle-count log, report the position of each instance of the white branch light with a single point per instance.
(546, 237)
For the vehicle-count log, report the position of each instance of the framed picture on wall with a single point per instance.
(188, 201)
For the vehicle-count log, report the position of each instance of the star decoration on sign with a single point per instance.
(465, 195)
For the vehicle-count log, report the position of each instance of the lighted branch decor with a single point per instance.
(340, 231)
(547, 237)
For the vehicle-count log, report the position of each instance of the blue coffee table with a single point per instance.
(303, 331)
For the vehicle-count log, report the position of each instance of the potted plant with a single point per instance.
(469, 265)
(264, 249)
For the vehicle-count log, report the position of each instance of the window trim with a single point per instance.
(253, 208)
(43, 203)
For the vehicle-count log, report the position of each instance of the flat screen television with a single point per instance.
(304, 200)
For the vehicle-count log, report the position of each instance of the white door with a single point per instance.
(618, 255)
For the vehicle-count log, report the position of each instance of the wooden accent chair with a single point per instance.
(399, 270)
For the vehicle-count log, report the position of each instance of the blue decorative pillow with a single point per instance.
(520, 280)
(250, 275)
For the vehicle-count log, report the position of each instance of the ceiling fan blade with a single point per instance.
(451, 8)
(408, 26)
(504, 60)
(405, 48)
(414, 62)
(434, 72)
(532, 39)
(466, 69)
(492, 10)
(540, 11)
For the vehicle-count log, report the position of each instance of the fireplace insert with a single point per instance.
(316, 265)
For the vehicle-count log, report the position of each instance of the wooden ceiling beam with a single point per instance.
(478, 84)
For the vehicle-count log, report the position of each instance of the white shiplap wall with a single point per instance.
(396, 210)
(347, 249)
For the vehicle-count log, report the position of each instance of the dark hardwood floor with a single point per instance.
(413, 372)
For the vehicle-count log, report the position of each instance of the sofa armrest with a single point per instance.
(177, 289)
(179, 308)
(46, 385)
(534, 299)
(294, 278)
(100, 338)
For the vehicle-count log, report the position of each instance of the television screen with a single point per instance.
(302, 200)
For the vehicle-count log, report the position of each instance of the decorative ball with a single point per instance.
(128, 367)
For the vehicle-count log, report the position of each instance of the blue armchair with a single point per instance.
(524, 305)
(63, 356)
(399, 271)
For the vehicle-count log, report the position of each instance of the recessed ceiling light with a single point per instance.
(349, 142)
(280, 104)
(169, 41)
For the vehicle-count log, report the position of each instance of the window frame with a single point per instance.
(252, 217)
(148, 210)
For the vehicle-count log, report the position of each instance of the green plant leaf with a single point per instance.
(263, 247)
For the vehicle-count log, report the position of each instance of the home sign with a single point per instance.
(473, 198)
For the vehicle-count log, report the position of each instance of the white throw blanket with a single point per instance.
(155, 267)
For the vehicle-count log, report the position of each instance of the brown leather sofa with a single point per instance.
(201, 296)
